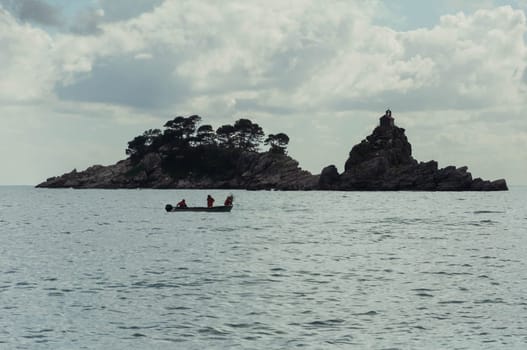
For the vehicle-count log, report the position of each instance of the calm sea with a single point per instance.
(110, 269)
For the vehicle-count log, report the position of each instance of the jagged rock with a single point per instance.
(151, 162)
(388, 143)
(383, 162)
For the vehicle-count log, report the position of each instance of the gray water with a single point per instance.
(110, 269)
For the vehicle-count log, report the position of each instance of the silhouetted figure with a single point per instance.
(228, 201)
(210, 201)
(182, 204)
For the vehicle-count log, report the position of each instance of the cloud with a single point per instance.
(87, 22)
(298, 57)
(124, 10)
(132, 82)
(27, 63)
(143, 56)
(91, 19)
(293, 67)
(36, 11)
(464, 62)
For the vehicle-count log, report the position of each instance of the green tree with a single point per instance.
(205, 135)
(225, 135)
(180, 130)
(278, 143)
(142, 144)
(247, 135)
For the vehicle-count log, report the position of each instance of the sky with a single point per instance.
(79, 79)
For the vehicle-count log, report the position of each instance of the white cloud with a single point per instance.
(480, 57)
(463, 62)
(303, 61)
(143, 56)
(27, 67)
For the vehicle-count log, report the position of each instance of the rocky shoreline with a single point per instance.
(256, 171)
(381, 162)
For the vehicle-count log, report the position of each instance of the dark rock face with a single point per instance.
(253, 171)
(384, 162)
(329, 177)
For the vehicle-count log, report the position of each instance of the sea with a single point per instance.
(111, 269)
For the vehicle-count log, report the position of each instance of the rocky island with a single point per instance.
(383, 162)
(191, 157)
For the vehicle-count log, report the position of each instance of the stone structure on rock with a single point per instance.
(383, 162)
(387, 120)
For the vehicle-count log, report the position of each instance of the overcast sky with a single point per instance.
(79, 79)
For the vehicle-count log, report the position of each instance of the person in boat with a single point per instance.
(182, 204)
(210, 201)
(228, 201)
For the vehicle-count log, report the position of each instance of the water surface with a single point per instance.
(110, 269)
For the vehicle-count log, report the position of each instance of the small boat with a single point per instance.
(218, 209)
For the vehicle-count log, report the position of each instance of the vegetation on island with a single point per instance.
(189, 148)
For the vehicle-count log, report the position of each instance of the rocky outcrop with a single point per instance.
(253, 171)
(383, 162)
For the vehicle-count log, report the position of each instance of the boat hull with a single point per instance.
(218, 209)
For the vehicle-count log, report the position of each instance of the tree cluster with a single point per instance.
(185, 134)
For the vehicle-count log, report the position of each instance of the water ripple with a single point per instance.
(365, 270)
